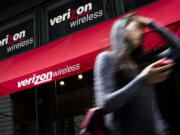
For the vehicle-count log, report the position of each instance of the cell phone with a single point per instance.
(163, 63)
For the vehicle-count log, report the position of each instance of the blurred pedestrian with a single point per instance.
(124, 86)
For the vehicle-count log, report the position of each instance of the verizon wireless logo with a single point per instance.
(72, 14)
(78, 16)
(16, 41)
(36, 79)
(12, 39)
(46, 77)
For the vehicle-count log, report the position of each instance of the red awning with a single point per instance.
(154, 40)
(66, 57)
(76, 53)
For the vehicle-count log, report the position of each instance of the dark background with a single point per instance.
(10, 8)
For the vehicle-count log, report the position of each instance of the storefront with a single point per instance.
(47, 59)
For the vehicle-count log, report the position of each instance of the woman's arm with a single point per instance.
(173, 42)
(106, 94)
(168, 35)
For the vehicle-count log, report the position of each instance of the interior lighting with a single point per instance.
(61, 83)
(80, 76)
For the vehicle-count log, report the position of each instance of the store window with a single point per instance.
(24, 112)
(64, 19)
(130, 5)
(17, 36)
(110, 8)
(11, 8)
(114, 8)
(74, 98)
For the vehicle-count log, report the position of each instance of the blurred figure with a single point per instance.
(124, 83)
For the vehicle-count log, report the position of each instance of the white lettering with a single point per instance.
(87, 18)
(70, 13)
(22, 34)
(15, 37)
(80, 10)
(64, 16)
(88, 7)
(19, 35)
(4, 41)
(46, 77)
(52, 21)
(36, 79)
(59, 19)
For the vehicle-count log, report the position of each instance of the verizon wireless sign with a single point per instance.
(37, 79)
(74, 17)
(17, 39)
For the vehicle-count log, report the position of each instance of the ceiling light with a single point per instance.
(80, 76)
(61, 83)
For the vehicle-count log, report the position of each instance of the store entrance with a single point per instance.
(73, 100)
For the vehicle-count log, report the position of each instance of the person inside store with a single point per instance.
(124, 79)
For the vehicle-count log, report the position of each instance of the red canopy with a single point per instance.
(76, 53)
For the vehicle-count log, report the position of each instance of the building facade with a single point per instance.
(57, 107)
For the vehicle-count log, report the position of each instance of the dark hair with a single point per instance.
(119, 44)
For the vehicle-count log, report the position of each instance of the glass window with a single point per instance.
(64, 19)
(134, 4)
(74, 98)
(17, 36)
(110, 9)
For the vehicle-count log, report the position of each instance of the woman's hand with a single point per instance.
(156, 74)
